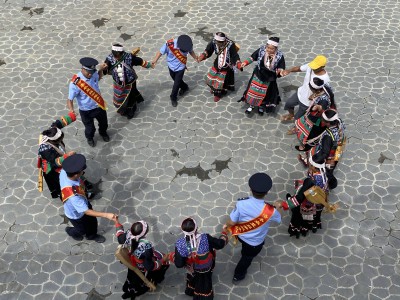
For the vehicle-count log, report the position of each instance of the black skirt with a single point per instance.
(199, 285)
(53, 183)
(134, 286)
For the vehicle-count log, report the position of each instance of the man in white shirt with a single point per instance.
(316, 68)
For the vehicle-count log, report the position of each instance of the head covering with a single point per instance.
(317, 83)
(74, 164)
(330, 115)
(142, 233)
(89, 64)
(46, 138)
(192, 235)
(117, 47)
(318, 62)
(274, 41)
(319, 166)
(185, 43)
(220, 38)
(260, 183)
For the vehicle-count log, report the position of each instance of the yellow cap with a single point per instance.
(318, 62)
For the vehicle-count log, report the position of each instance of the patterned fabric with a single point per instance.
(261, 54)
(215, 79)
(45, 164)
(256, 91)
(303, 128)
(120, 93)
(142, 247)
(202, 259)
(223, 52)
(126, 62)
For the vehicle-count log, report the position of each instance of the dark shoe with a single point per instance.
(301, 150)
(260, 111)
(105, 137)
(236, 280)
(216, 98)
(174, 103)
(97, 238)
(314, 229)
(70, 231)
(182, 92)
(88, 185)
(90, 195)
(302, 160)
(91, 142)
(240, 100)
(249, 110)
(131, 112)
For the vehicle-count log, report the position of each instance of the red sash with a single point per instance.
(69, 191)
(178, 54)
(255, 223)
(89, 91)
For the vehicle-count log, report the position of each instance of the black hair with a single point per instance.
(274, 38)
(329, 113)
(221, 34)
(52, 132)
(258, 195)
(136, 229)
(188, 225)
(72, 174)
(318, 81)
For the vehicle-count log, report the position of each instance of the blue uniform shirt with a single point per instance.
(85, 103)
(173, 63)
(75, 206)
(249, 209)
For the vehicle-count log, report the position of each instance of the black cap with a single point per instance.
(185, 43)
(74, 163)
(260, 183)
(89, 63)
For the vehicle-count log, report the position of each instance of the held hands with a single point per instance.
(71, 153)
(284, 73)
(112, 217)
(103, 66)
(153, 64)
(278, 204)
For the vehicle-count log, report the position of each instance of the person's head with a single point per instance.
(53, 135)
(88, 66)
(318, 63)
(316, 166)
(260, 184)
(138, 231)
(220, 39)
(330, 118)
(189, 226)
(74, 166)
(272, 45)
(316, 84)
(117, 50)
(185, 43)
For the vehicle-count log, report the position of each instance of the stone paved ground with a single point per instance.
(355, 256)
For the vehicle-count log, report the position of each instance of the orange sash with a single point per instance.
(253, 224)
(69, 191)
(89, 91)
(178, 54)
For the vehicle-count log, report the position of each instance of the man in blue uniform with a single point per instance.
(250, 220)
(76, 205)
(177, 51)
(84, 87)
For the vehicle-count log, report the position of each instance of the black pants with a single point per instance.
(248, 253)
(53, 182)
(293, 101)
(87, 225)
(88, 120)
(178, 83)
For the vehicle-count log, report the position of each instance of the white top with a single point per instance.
(304, 91)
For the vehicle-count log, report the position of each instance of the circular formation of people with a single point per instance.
(317, 125)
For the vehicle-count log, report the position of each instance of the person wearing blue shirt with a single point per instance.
(177, 51)
(88, 108)
(76, 205)
(250, 209)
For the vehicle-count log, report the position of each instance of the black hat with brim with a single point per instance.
(89, 63)
(260, 183)
(185, 43)
(74, 163)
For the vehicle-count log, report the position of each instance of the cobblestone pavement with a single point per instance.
(195, 159)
